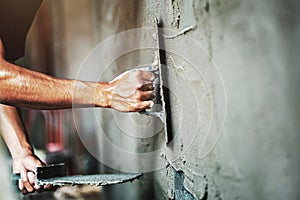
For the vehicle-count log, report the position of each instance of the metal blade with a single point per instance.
(96, 179)
(163, 96)
(56, 175)
(161, 60)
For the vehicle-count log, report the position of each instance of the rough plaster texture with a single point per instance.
(258, 145)
(257, 155)
(256, 48)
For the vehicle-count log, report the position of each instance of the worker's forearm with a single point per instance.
(13, 133)
(24, 161)
(25, 88)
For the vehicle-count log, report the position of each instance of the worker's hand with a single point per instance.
(26, 166)
(132, 91)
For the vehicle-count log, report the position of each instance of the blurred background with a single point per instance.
(255, 47)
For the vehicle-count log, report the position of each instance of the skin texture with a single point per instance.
(20, 87)
(131, 91)
(24, 160)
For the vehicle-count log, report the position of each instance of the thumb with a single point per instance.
(145, 105)
(31, 163)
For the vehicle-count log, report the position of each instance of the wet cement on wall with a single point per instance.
(184, 82)
(256, 155)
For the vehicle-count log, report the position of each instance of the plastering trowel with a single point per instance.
(56, 175)
(159, 67)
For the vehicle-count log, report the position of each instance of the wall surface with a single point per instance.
(254, 45)
(236, 56)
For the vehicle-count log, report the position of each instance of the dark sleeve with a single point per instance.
(16, 17)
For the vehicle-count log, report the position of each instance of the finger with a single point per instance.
(31, 178)
(21, 186)
(145, 105)
(147, 76)
(147, 95)
(48, 187)
(25, 181)
(147, 86)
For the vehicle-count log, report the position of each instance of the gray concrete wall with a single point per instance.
(255, 47)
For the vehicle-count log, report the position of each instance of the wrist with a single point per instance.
(22, 152)
(103, 95)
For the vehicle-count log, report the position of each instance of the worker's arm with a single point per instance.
(131, 91)
(24, 160)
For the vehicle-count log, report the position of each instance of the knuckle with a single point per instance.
(150, 74)
(138, 72)
(133, 104)
(139, 96)
(24, 179)
(141, 105)
(37, 187)
(134, 107)
(152, 94)
(139, 85)
(146, 74)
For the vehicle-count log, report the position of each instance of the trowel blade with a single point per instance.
(56, 175)
(163, 94)
(163, 82)
(96, 179)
